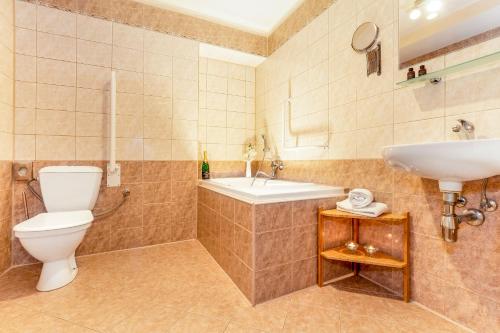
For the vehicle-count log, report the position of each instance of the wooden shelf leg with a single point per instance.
(355, 233)
(406, 258)
(320, 247)
(406, 284)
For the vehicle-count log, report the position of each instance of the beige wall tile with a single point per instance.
(26, 41)
(156, 42)
(375, 111)
(7, 91)
(487, 124)
(91, 148)
(158, 127)
(25, 15)
(127, 36)
(184, 150)
(93, 53)
(91, 125)
(25, 95)
(342, 146)
(24, 121)
(155, 85)
(184, 129)
(157, 149)
(157, 64)
(185, 48)
(129, 149)
(6, 146)
(24, 147)
(129, 126)
(216, 118)
(7, 116)
(56, 21)
(369, 142)
(217, 68)
(55, 147)
(185, 109)
(94, 77)
(185, 89)
(185, 69)
(216, 84)
(49, 122)
(236, 71)
(154, 106)
(94, 29)
(90, 100)
(128, 59)
(56, 72)
(236, 87)
(131, 104)
(217, 135)
(429, 130)
(129, 82)
(7, 63)
(421, 102)
(216, 101)
(25, 68)
(55, 47)
(51, 97)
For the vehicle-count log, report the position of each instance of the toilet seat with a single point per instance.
(54, 221)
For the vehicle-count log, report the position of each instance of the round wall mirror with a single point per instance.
(364, 37)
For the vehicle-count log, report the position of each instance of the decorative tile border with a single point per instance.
(301, 17)
(163, 20)
(181, 25)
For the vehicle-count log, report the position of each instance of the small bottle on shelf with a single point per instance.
(411, 74)
(422, 70)
(205, 168)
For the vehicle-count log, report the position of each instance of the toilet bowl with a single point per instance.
(69, 194)
(52, 238)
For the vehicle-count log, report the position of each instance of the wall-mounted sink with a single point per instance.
(452, 163)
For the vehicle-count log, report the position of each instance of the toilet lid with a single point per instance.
(55, 220)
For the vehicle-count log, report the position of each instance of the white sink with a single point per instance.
(452, 163)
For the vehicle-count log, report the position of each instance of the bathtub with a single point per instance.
(271, 190)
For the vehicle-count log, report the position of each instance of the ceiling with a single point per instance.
(256, 16)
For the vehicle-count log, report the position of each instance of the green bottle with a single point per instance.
(205, 168)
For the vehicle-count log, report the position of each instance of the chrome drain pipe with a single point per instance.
(450, 221)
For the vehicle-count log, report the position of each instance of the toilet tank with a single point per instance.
(66, 188)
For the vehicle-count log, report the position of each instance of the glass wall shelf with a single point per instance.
(437, 75)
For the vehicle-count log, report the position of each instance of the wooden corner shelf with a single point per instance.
(360, 256)
(341, 253)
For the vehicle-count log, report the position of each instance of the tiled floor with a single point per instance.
(180, 288)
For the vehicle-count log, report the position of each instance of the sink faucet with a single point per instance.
(464, 126)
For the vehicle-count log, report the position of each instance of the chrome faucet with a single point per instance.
(275, 164)
(464, 126)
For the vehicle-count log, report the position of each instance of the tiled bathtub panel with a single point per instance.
(273, 216)
(228, 243)
(160, 209)
(273, 282)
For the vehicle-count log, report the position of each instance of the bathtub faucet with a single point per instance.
(275, 166)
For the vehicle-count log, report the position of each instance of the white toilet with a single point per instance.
(69, 194)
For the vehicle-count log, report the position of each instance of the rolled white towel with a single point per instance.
(360, 197)
(372, 210)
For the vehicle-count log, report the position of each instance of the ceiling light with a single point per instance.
(415, 14)
(432, 16)
(434, 5)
